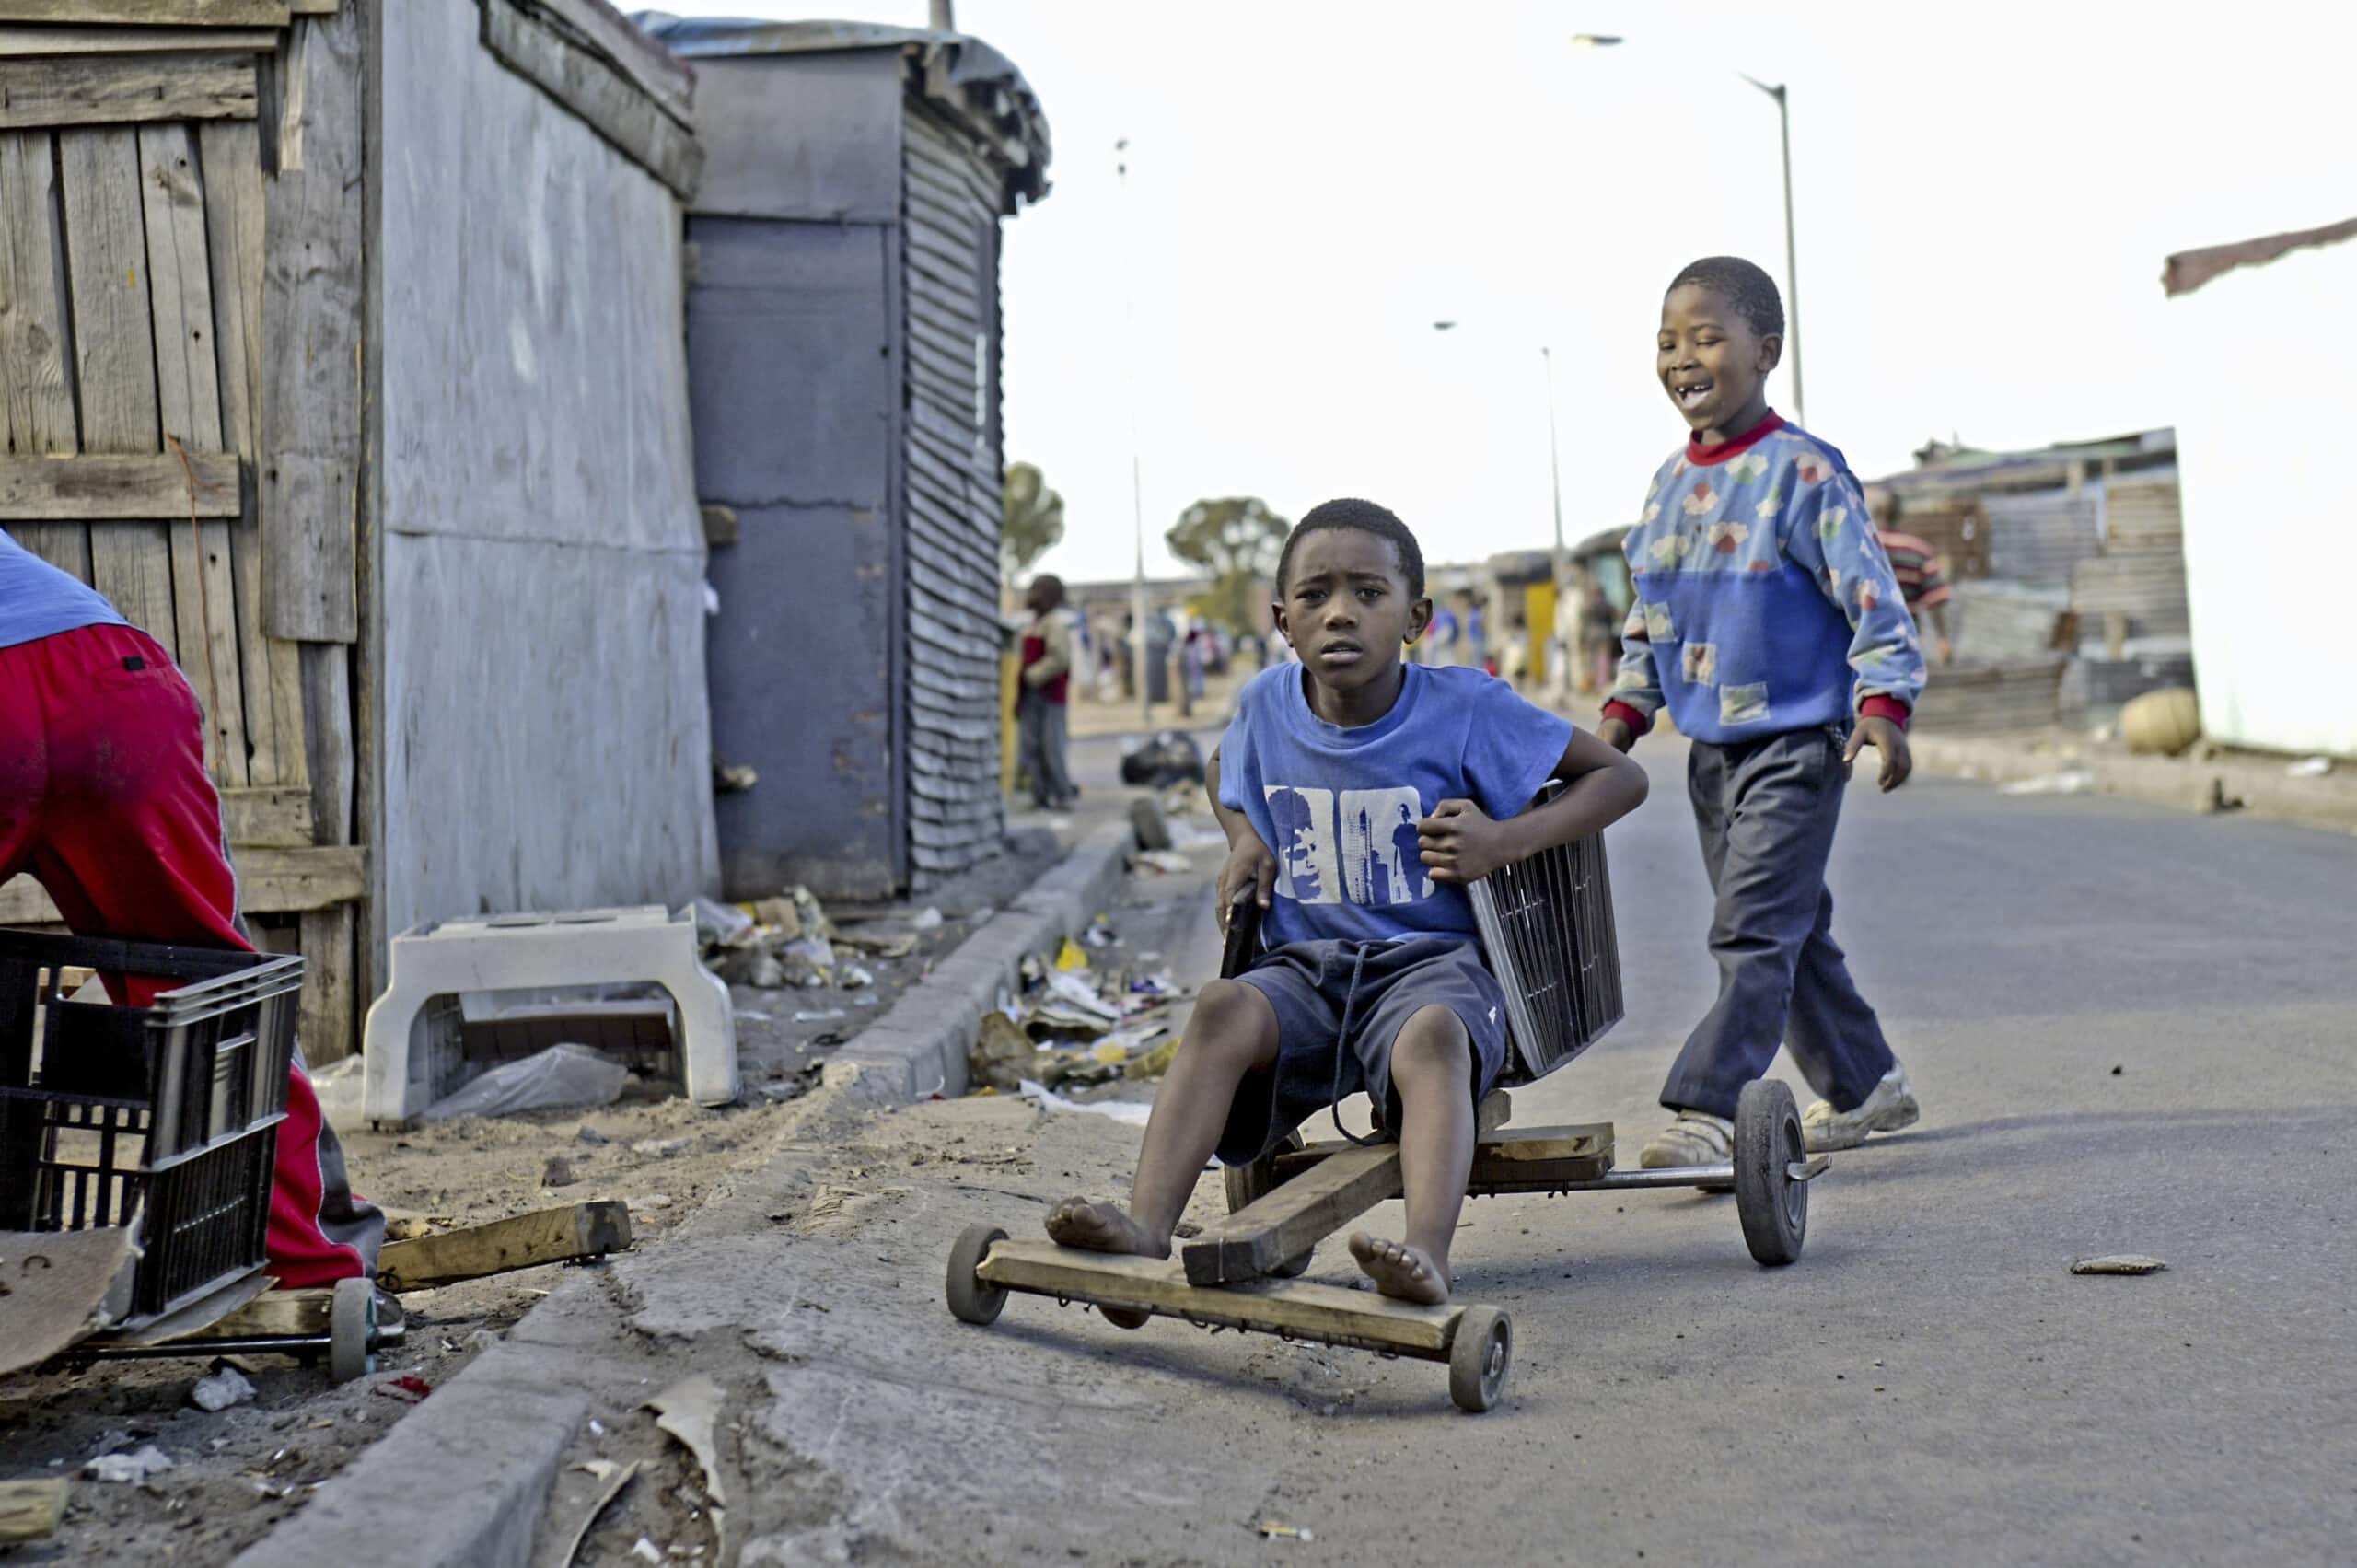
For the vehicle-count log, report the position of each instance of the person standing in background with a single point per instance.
(1043, 689)
(1922, 575)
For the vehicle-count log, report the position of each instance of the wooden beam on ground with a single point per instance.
(107, 487)
(522, 1241)
(30, 1510)
(149, 13)
(1294, 1217)
(115, 89)
(270, 881)
(1357, 1318)
(275, 1313)
(606, 99)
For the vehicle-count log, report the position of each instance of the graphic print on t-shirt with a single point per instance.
(1364, 852)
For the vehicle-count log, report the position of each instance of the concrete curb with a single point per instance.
(919, 1048)
(485, 1447)
(458, 1483)
(2186, 783)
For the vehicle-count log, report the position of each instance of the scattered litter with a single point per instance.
(1069, 987)
(2310, 768)
(1100, 934)
(886, 947)
(2118, 1263)
(1070, 957)
(1273, 1531)
(865, 1002)
(561, 1075)
(751, 1014)
(135, 1467)
(817, 1014)
(2070, 781)
(1119, 1110)
(779, 917)
(1187, 833)
(1170, 758)
(927, 919)
(597, 1427)
(723, 925)
(614, 1477)
(1168, 861)
(658, 1148)
(226, 1388)
(1147, 822)
(735, 778)
(647, 1550)
(409, 1389)
(755, 966)
(557, 1172)
(809, 961)
(1153, 1063)
(651, 1200)
(982, 912)
(689, 1409)
(854, 977)
(589, 1134)
(1001, 1053)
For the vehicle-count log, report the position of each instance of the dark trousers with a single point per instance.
(1766, 811)
(1041, 736)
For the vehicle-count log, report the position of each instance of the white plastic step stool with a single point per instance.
(521, 952)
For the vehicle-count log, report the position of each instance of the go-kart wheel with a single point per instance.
(1250, 1183)
(351, 1329)
(1772, 1207)
(971, 1300)
(1479, 1356)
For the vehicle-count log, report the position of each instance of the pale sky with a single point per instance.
(1984, 194)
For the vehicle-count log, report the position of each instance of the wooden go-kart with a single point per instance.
(1547, 934)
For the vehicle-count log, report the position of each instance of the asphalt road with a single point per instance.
(2131, 1032)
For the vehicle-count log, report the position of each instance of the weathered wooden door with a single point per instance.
(180, 257)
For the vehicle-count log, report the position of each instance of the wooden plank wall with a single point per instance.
(954, 498)
(164, 305)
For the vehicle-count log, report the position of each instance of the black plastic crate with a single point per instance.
(169, 1111)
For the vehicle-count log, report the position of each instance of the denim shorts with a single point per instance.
(1379, 986)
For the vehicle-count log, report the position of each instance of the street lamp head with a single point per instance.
(1594, 40)
(1443, 326)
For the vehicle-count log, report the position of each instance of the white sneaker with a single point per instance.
(1890, 1107)
(1695, 1138)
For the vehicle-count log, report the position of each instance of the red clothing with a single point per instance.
(105, 801)
(1923, 576)
(1057, 688)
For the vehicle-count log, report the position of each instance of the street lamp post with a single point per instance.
(1562, 559)
(1791, 244)
(1137, 479)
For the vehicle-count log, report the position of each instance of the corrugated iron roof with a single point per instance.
(972, 82)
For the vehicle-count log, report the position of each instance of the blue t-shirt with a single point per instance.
(1339, 807)
(38, 600)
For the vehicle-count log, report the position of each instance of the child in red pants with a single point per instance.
(104, 801)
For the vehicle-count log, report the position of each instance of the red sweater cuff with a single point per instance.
(1889, 708)
(1637, 722)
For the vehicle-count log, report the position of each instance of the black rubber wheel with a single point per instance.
(351, 1329)
(1481, 1354)
(971, 1300)
(1250, 1183)
(1772, 1207)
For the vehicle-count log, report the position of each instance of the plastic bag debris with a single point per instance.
(1171, 757)
(755, 966)
(1001, 1053)
(1169, 862)
(1069, 956)
(853, 976)
(809, 962)
(1047, 1099)
(719, 924)
(1071, 988)
(926, 919)
(561, 1075)
(135, 1467)
(226, 1388)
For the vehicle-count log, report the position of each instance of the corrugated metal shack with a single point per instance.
(330, 336)
(844, 342)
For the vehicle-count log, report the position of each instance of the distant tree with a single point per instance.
(1238, 541)
(1034, 520)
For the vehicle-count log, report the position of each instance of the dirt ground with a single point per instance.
(237, 1473)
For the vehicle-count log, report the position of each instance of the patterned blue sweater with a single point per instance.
(1763, 600)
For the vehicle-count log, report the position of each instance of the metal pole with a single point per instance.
(1137, 479)
(1792, 258)
(944, 17)
(1554, 465)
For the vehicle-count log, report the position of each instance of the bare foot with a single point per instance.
(1104, 1227)
(1101, 1228)
(1399, 1270)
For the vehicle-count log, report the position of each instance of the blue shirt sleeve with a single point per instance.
(1511, 748)
(1237, 745)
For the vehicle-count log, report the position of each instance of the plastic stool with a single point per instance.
(518, 952)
